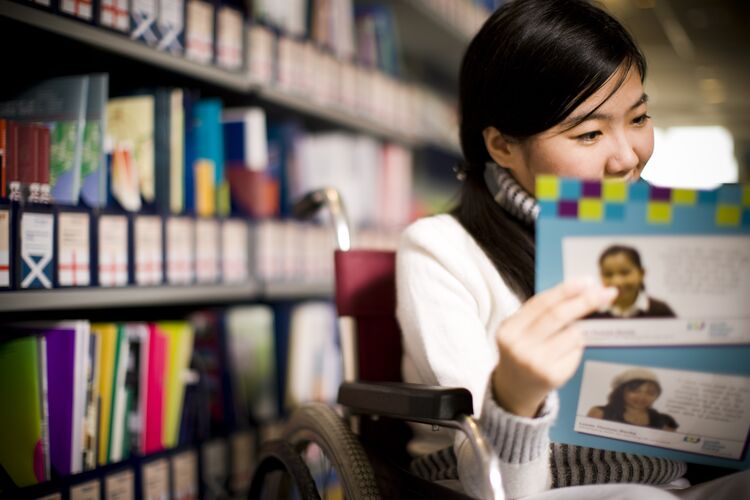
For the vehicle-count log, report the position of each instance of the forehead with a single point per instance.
(617, 258)
(611, 99)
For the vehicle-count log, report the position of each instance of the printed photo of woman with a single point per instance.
(634, 392)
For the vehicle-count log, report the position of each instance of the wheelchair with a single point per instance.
(359, 451)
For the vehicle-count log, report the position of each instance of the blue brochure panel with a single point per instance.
(665, 371)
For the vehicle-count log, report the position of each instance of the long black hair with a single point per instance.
(615, 407)
(531, 64)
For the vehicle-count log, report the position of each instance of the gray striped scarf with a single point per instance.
(509, 194)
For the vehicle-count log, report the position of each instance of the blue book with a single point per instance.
(665, 371)
(209, 137)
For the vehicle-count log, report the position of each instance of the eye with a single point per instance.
(588, 136)
(641, 120)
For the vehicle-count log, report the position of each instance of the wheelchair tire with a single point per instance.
(278, 456)
(317, 423)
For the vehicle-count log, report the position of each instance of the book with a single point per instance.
(94, 179)
(107, 338)
(209, 147)
(5, 246)
(157, 365)
(673, 347)
(130, 128)
(143, 25)
(73, 248)
(35, 258)
(179, 346)
(170, 26)
(21, 440)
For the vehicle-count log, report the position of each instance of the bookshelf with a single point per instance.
(241, 83)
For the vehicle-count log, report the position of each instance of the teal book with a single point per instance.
(209, 138)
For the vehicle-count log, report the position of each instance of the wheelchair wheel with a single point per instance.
(277, 463)
(332, 452)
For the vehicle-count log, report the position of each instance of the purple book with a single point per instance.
(61, 356)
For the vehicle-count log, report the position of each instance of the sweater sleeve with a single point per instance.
(442, 310)
(521, 444)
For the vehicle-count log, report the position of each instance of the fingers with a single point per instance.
(566, 312)
(559, 306)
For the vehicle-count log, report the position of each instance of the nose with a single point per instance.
(623, 158)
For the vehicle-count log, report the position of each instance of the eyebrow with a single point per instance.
(574, 121)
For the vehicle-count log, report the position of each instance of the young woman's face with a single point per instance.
(619, 271)
(642, 397)
(615, 141)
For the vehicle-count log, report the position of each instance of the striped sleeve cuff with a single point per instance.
(518, 440)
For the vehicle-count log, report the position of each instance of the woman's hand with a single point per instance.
(539, 348)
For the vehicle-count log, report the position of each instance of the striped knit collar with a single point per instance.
(509, 194)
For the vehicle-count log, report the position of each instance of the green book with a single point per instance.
(22, 450)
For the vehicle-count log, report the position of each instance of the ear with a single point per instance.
(503, 150)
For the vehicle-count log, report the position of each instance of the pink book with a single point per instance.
(157, 363)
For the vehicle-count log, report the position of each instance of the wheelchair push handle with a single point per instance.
(307, 206)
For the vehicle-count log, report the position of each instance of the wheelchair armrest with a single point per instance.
(414, 402)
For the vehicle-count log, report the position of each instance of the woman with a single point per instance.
(546, 86)
(633, 394)
(620, 267)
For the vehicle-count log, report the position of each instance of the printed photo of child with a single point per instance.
(620, 266)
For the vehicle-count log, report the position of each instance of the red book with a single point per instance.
(157, 364)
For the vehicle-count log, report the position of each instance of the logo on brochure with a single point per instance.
(696, 326)
(692, 439)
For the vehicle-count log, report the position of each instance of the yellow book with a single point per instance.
(179, 335)
(107, 334)
(205, 188)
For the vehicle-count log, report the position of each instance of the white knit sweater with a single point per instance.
(451, 301)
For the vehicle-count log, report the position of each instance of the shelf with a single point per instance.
(99, 298)
(278, 291)
(120, 44)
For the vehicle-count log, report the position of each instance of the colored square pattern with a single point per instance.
(570, 189)
(746, 196)
(639, 191)
(547, 208)
(659, 212)
(728, 215)
(730, 194)
(567, 208)
(590, 209)
(614, 211)
(708, 197)
(746, 217)
(684, 196)
(615, 190)
(660, 194)
(592, 189)
(547, 188)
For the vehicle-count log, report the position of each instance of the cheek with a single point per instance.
(644, 146)
(565, 159)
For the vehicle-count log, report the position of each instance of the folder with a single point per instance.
(180, 241)
(148, 250)
(120, 485)
(35, 259)
(73, 248)
(81, 9)
(112, 237)
(230, 31)
(234, 251)
(199, 31)
(155, 479)
(3, 158)
(242, 447)
(89, 490)
(143, 16)
(5, 245)
(114, 14)
(170, 26)
(214, 468)
(207, 244)
(184, 467)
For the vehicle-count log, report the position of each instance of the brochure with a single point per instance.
(666, 369)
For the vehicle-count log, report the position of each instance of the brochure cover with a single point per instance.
(665, 370)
